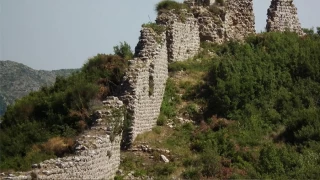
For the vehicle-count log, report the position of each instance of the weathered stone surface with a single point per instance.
(222, 22)
(239, 20)
(145, 82)
(164, 158)
(182, 34)
(282, 16)
(200, 2)
(99, 160)
(98, 149)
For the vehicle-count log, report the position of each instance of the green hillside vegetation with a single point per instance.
(18, 80)
(45, 123)
(256, 108)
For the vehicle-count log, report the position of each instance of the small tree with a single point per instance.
(123, 50)
(318, 31)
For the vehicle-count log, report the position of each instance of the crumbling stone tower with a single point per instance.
(239, 20)
(223, 20)
(282, 16)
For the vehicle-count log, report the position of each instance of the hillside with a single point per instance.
(237, 110)
(17, 80)
(188, 104)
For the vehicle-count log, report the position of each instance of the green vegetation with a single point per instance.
(3, 105)
(158, 29)
(44, 123)
(123, 50)
(257, 111)
(180, 9)
(167, 5)
(18, 80)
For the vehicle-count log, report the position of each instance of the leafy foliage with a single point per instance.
(167, 5)
(54, 115)
(18, 80)
(123, 50)
(261, 115)
(269, 83)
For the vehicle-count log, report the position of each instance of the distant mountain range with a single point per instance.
(17, 80)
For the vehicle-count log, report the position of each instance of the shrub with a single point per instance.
(170, 100)
(123, 50)
(52, 115)
(58, 145)
(166, 5)
(158, 29)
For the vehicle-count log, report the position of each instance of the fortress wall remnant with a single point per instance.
(239, 20)
(97, 151)
(183, 40)
(145, 82)
(282, 16)
(219, 22)
(182, 34)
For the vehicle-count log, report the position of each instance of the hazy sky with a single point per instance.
(56, 34)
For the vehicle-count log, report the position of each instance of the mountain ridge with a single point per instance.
(18, 80)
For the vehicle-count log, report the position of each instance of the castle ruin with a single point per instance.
(283, 16)
(98, 150)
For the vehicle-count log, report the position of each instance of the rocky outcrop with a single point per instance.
(283, 16)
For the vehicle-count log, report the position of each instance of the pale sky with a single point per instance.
(59, 34)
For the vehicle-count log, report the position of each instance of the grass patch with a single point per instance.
(167, 5)
(158, 29)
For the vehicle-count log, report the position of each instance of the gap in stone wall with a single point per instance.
(260, 8)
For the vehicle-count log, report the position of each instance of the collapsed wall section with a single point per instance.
(239, 20)
(144, 83)
(283, 16)
(97, 151)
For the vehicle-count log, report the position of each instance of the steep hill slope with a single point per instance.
(237, 111)
(17, 80)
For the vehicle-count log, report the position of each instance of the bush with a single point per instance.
(123, 50)
(52, 116)
(167, 5)
(170, 100)
(158, 29)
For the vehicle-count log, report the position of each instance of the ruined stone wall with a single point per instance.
(183, 40)
(145, 82)
(182, 34)
(233, 19)
(211, 24)
(97, 151)
(239, 20)
(282, 16)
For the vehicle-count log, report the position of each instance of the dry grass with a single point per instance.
(58, 145)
